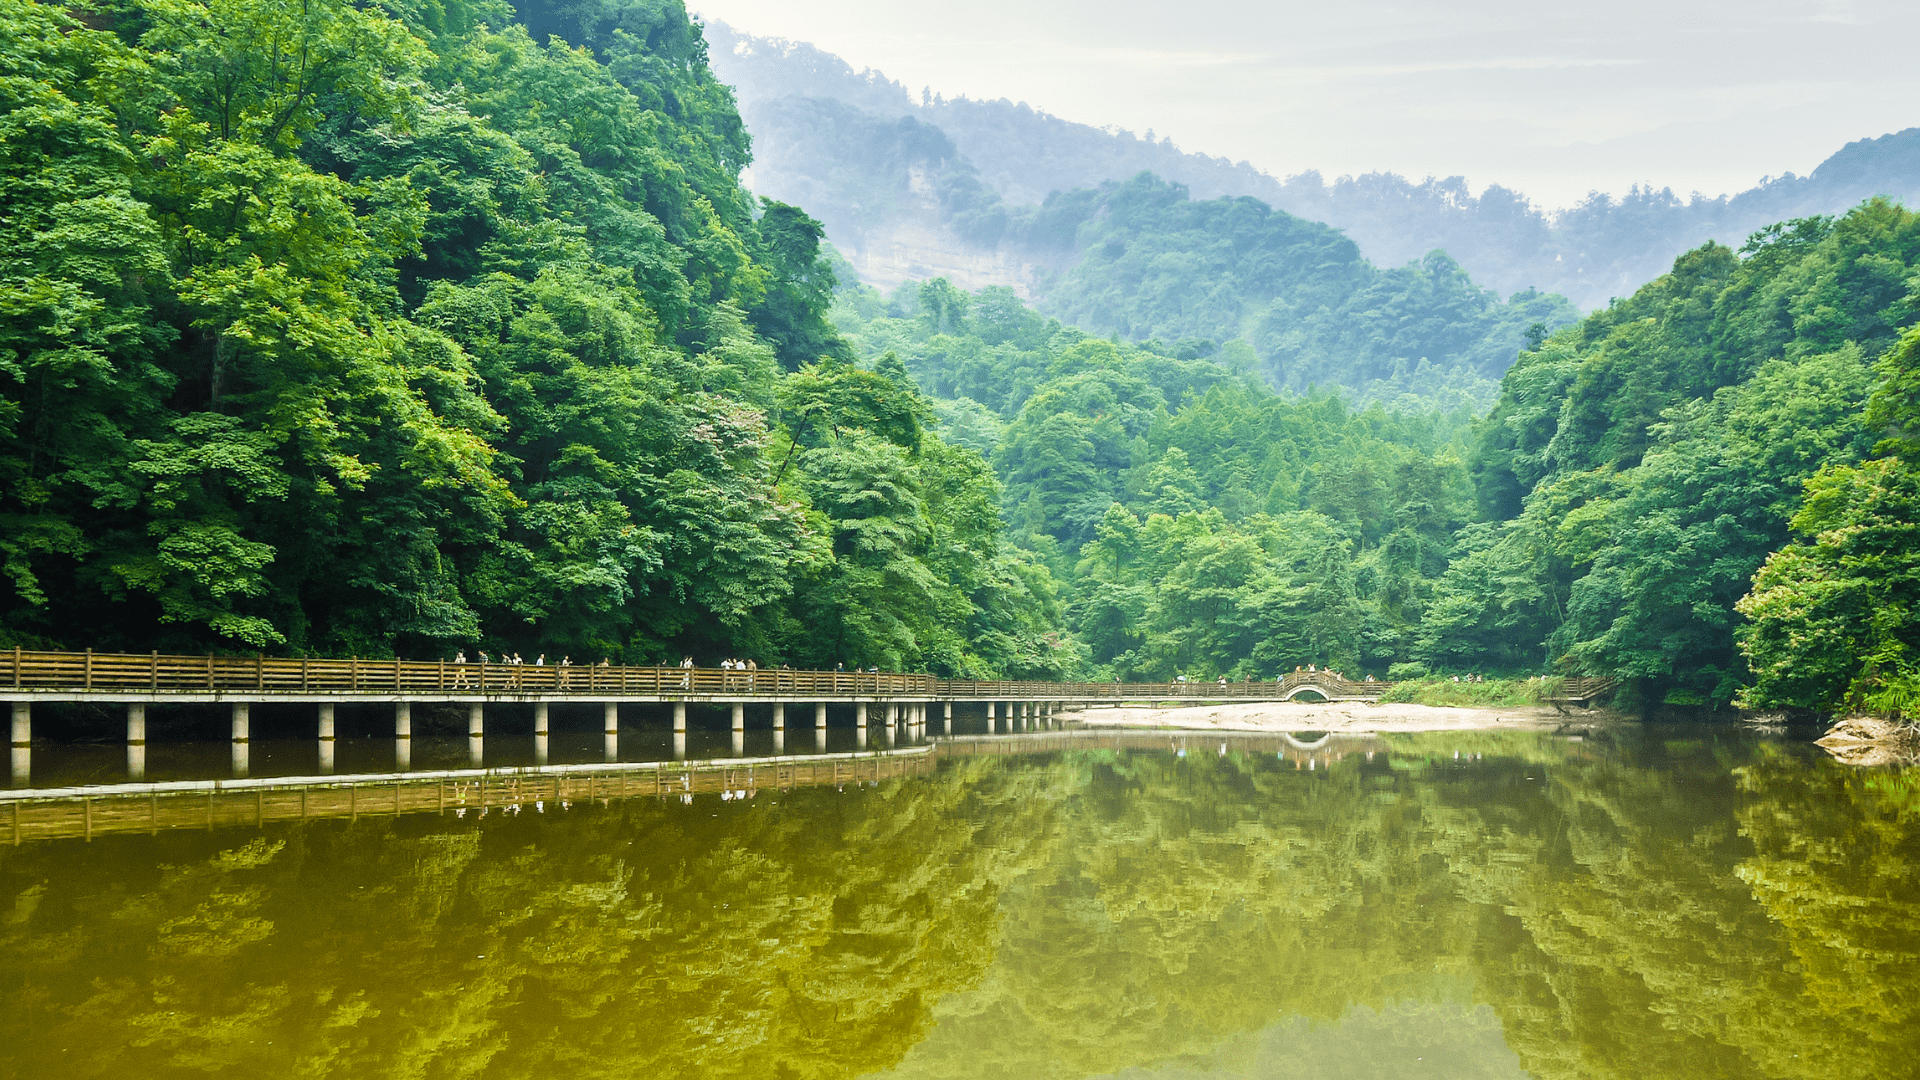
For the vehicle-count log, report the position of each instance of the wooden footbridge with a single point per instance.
(894, 703)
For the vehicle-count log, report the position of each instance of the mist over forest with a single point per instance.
(841, 143)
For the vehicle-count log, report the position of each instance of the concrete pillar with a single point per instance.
(820, 726)
(779, 727)
(136, 742)
(610, 726)
(680, 745)
(679, 718)
(326, 757)
(859, 725)
(326, 720)
(946, 718)
(892, 729)
(540, 718)
(22, 743)
(403, 720)
(539, 748)
(476, 751)
(739, 716)
(476, 720)
(240, 759)
(402, 754)
(1019, 716)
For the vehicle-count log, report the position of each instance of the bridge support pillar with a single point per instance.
(892, 723)
(820, 726)
(476, 734)
(779, 727)
(136, 742)
(679, 718)
(946, 718)
(326, 721)
(403, 720)
(402, 755)
(610, 726)
(242, 713)
(541, 718)
(22, 743)
(326, 757)
(859, 725)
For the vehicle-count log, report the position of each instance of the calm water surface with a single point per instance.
(1647, 903)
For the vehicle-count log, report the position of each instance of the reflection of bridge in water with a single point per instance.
(119, 809)
(894, 704)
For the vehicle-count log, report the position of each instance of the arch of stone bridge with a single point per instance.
(1298, 745)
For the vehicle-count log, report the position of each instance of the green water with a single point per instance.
(1642, 904)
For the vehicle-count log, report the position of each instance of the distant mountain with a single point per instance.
(902, 182)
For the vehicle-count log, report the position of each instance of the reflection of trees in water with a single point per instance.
(1057, 916)
(812, 929)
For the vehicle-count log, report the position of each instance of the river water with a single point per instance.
(1641, 903)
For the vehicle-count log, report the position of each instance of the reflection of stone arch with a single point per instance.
(1318, 694)
(1314, 745)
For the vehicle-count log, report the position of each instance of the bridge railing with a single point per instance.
(154, 672)
(160, 674)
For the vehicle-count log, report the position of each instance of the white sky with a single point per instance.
(1552, 99)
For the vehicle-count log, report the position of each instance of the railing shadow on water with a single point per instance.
(87, 812)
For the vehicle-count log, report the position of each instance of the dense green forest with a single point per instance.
(343, 330)
(1608, 516)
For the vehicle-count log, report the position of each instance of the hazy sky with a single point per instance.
(1553, 99)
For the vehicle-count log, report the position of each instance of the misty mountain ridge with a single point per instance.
(903, 201)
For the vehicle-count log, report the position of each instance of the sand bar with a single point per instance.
(1338, 716)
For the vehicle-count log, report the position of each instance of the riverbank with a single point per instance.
(1872, 740)
(1339, 716)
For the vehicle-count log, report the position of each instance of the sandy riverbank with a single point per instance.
(1336, 716)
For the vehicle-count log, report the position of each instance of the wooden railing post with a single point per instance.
(16, 667)
(259, 671)
(209, 671)
(153, 669)
(87, 672)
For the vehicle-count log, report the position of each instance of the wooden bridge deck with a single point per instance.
(91, 676)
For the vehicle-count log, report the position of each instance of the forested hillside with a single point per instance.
(1607, 517)
(1606, 246)
(338, 329)
(331, 330)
